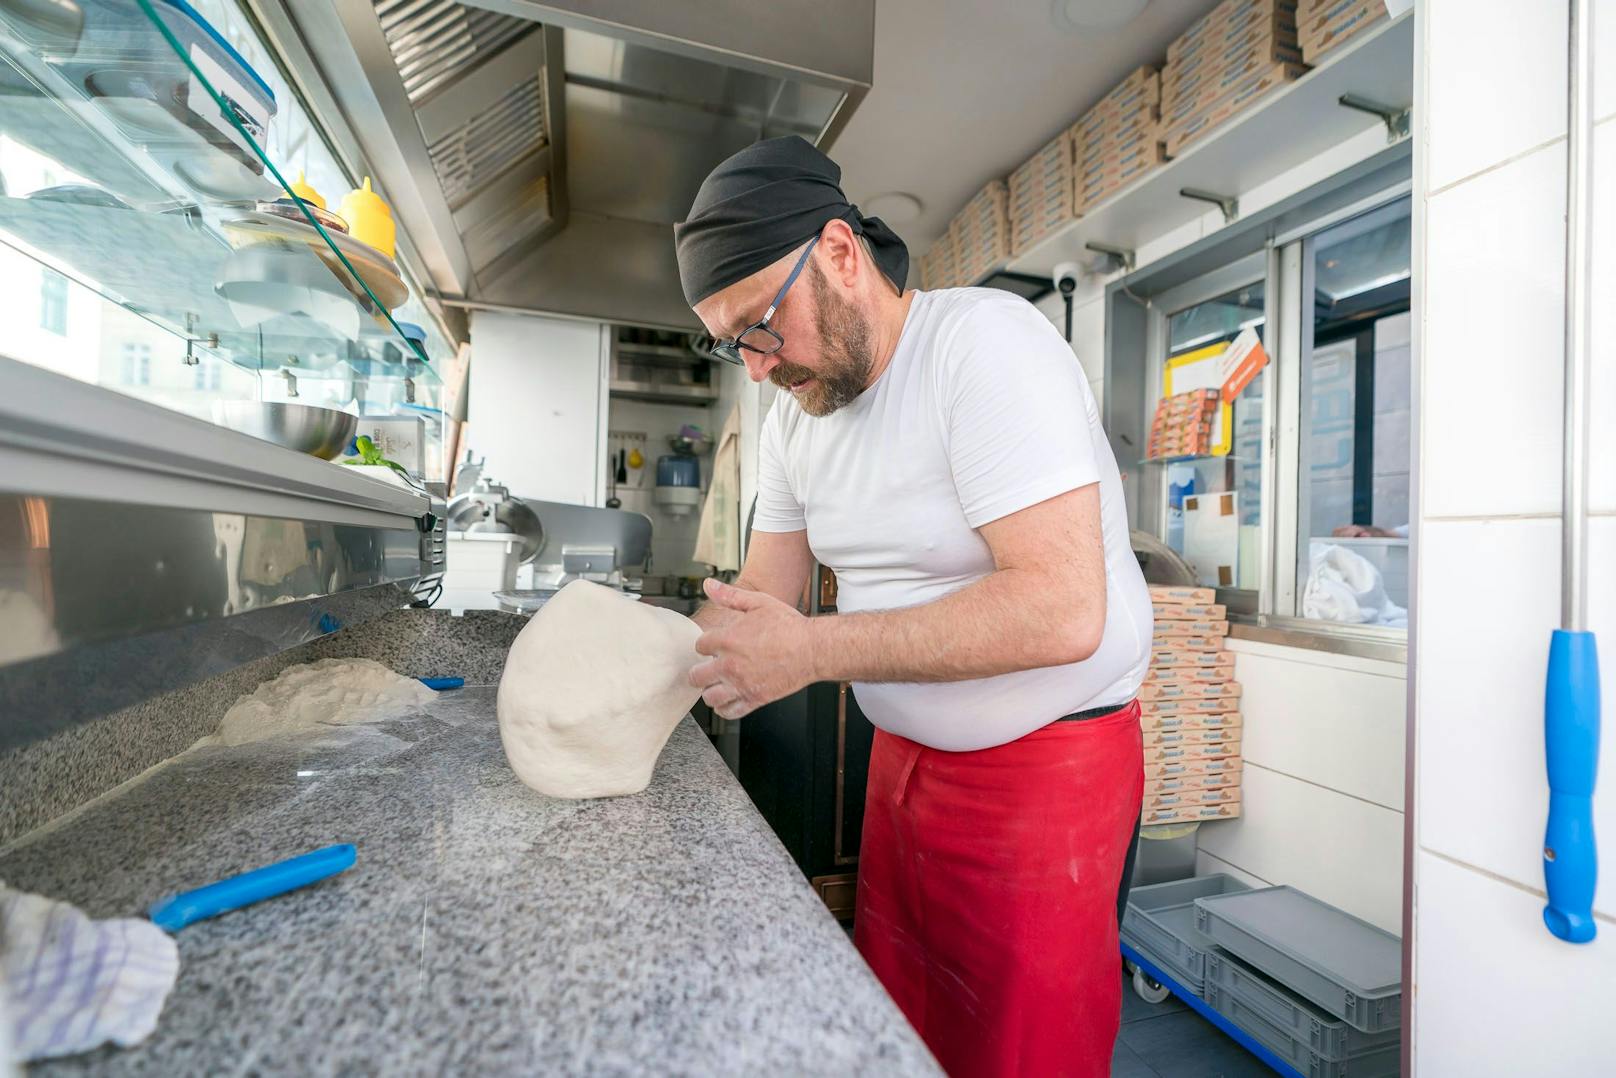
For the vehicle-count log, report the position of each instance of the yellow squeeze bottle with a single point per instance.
(301, 188)
(369, 219)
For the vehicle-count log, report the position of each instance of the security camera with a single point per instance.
(1066, 276)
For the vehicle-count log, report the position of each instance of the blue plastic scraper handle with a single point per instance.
(1571, 744)
(235, 892)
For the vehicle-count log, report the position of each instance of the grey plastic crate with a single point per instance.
(1347, 966)
(1329, 1037)
(1375, 1063)
(1161, 917)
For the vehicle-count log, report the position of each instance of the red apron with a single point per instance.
(987, 893)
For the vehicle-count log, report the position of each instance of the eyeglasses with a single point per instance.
(758, 337)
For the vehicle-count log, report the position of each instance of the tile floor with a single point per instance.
(1168, 1040)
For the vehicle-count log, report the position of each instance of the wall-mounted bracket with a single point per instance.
(1117, 257)
(1227, 203)
(1395, 119)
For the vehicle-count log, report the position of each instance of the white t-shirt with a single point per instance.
(982, 412)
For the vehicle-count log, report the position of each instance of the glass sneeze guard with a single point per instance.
(131, 163)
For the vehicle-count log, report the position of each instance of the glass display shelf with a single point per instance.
(131, 162)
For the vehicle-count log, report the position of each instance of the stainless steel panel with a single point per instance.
(640, 160)
(831, 42)
(1364, 642)
(599, 268)
(76, 571)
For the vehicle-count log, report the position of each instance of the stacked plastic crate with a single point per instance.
(1041, 194)
(1322, 25)
(1239, 52)
(1190, 705)
(1313, 984)
(1118, 140)
(1317, 988)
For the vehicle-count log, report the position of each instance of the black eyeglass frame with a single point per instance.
(730, 350)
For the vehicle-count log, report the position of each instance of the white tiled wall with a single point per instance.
(1495, 994)
(1478, 114)
(1498, 996)
(1503, 236)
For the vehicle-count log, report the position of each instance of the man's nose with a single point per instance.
(759, 366)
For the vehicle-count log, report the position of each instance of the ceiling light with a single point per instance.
(1096, 14)
(894, 207)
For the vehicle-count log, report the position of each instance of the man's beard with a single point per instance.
(845, 362)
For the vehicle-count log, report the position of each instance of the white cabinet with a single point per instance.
(537, 405)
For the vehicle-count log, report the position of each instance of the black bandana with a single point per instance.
(763, 203)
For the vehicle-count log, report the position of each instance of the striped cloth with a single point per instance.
(72, 984)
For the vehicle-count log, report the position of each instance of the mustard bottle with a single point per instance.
(301, 188)
(369, 219)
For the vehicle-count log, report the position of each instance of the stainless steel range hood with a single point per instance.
(537, 154)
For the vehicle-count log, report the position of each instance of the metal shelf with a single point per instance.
(653, 393)
(1286, 129)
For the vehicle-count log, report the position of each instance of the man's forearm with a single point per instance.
(1009, 620)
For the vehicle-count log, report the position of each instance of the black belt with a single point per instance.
(1093, 713)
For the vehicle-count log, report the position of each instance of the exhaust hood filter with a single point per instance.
(434, 42)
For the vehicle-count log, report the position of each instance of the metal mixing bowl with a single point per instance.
(319, 432)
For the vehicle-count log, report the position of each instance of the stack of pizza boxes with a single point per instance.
(1190, 703)
(1322, 25)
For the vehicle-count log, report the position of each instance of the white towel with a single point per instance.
(1344, 586)
(718, 539)
(72, 984)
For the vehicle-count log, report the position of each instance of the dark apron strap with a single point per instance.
(1093, 713)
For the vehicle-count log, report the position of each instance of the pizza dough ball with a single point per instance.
(593, 686)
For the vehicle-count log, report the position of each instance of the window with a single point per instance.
(207, 375)
(52, 302)
(1353, 475)
(136, 368)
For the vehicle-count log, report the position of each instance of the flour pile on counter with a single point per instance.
(71, 984)
(331, 692)
(592, 688)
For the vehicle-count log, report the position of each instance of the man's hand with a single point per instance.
(761, 651)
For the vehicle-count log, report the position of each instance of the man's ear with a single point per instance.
(844, 258)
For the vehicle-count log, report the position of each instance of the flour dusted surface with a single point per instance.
(331, 692)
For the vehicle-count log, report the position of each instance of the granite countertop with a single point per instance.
(484, 929)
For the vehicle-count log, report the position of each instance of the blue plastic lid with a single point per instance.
(189, 12)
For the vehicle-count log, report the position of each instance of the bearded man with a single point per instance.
(942, 453)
